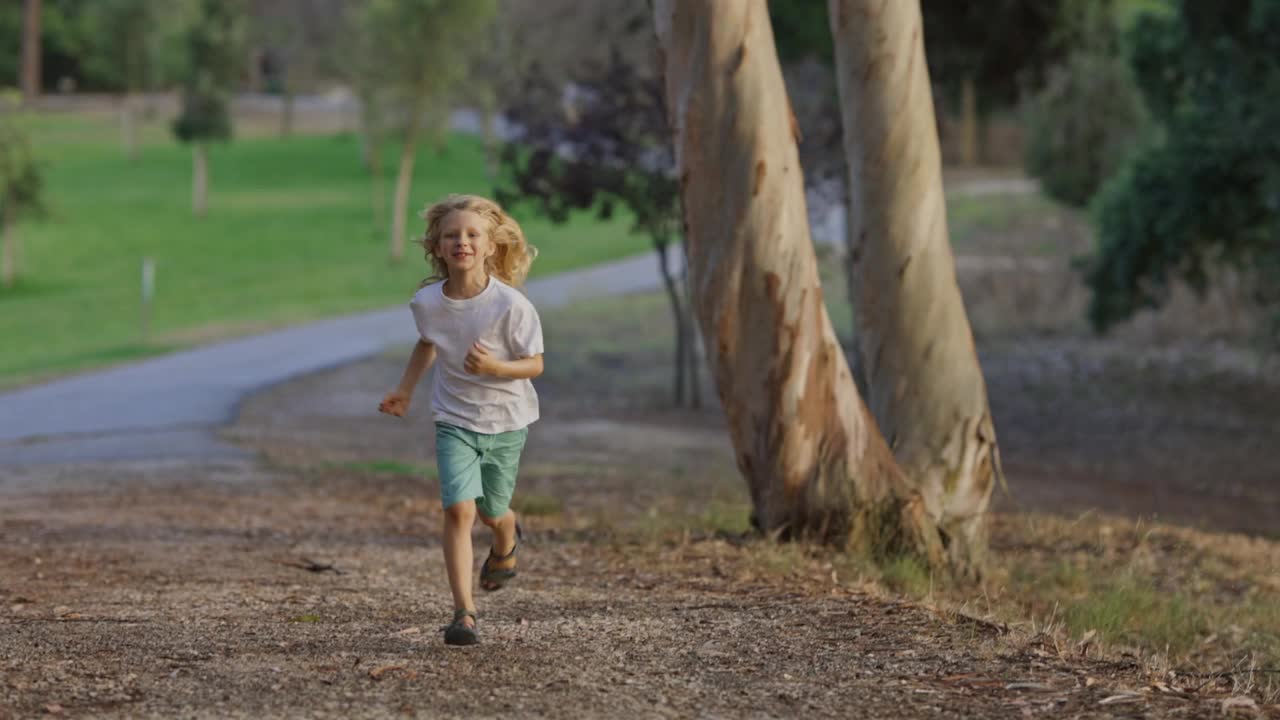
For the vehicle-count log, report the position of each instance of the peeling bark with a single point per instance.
(926, 387)
(806, 444)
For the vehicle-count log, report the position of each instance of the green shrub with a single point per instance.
(1081, 125)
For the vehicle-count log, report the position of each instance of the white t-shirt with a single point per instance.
(506, 323)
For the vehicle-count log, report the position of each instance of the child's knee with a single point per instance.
(492, 521)
(461, 513)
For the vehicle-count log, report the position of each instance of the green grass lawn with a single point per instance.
(289, 237)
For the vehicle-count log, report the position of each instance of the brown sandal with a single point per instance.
(496, 578)
(460, 633)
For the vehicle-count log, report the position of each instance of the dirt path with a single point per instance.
(181, 588)
(178, 590)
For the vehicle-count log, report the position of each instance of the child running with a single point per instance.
(488, 339)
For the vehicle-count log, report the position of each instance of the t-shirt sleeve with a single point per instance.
(419, 310)
(526, 331)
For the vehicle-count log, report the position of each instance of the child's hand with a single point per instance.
(480, 362)
(395, 403)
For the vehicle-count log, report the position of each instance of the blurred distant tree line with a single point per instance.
(99, 46)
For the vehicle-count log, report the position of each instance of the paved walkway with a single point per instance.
(168, 407)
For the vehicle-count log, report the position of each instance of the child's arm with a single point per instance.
(480, 362)
(397, 401)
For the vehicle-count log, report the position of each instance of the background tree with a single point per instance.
(976, 61)
(1205, 189)
(300, 38)
(979, 63)
(20, 196)
(810, 452)
(615, 152)
(925, 385)
(120, 34)
(213, 44)
(73, 50)
(422, 49)
(31, 52)
(361, 68)
(1089, 114)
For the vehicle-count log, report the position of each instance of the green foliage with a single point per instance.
(1081, 125)
(132, 45)
(86, 41)
(614, 149)
(1005, 46)
(61, 41)
(214, 44)
(800, 30)
(118, 35)
(418, 50)
(21, 185)
(1205, 188)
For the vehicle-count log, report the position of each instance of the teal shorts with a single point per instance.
(477, 466)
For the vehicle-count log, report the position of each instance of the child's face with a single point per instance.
(464, 242)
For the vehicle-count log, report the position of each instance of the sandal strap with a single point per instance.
(514, 547)
(460, 613)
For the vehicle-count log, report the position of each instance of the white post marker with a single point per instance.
(148, 292)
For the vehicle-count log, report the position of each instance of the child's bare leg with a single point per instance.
(504, 539)
(458, 558)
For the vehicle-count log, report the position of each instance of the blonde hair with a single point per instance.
(512, 253)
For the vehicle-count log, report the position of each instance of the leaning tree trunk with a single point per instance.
(199, 178)
(403, 181)
(806, 444)
(926, 386)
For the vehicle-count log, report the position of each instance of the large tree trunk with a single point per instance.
(403, 181)
(8, 248)
(31, 52)
(926, 386)
(199, 178)
(808, 448)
